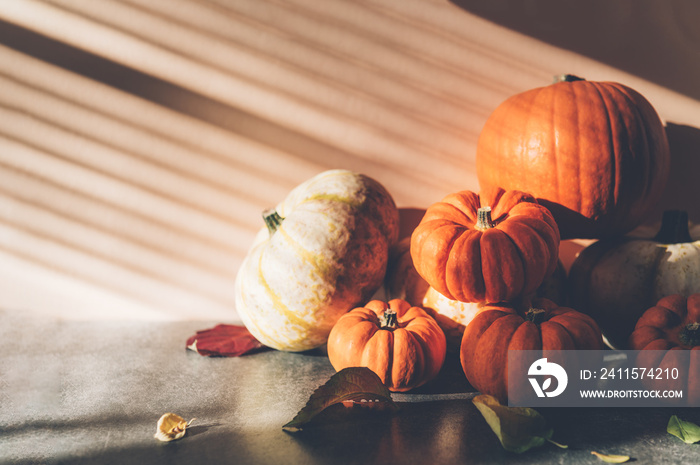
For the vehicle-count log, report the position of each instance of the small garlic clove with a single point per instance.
(171, 427)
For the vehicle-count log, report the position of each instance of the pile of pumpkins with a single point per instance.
(480, 273)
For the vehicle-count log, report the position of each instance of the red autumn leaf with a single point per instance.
(224, 341)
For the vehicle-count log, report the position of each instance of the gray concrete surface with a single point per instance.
(92, 392)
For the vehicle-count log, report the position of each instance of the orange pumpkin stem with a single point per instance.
(535, 315)
(483, 219)
(674, 228)
(272, 219)
(690, 335)
(388, 319)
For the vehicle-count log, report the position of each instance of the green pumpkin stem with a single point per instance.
(272, 219)
(388, 319)
(674, 228)
(566, 78)
(483, 219)
(535, 315)
(690, 335)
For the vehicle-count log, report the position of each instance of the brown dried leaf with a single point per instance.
(355, 386)
(224, 341)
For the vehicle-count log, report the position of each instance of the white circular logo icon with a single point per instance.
(548, 370)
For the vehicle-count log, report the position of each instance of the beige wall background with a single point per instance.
(141, 139)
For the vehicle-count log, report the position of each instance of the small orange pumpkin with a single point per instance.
(499, 328)
(671, 331)
(402, 344)
(491, 247)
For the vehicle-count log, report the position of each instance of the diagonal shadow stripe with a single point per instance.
(166, 94)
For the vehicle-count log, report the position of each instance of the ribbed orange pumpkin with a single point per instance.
(671, 331)
(674, 322)
(491, 247)
(594, 153)
(496, 329)
(402, 344)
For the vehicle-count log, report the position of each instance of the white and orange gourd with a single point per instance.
(324, 252)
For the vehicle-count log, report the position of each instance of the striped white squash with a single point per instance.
(325, 251)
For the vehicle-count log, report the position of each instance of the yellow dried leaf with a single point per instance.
(609, 458)
(171, 426)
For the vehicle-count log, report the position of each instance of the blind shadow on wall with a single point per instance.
(140, 140)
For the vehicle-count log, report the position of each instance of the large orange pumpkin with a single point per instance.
(499, 328)
(402, 344)
(594, 153)
(491, 247)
